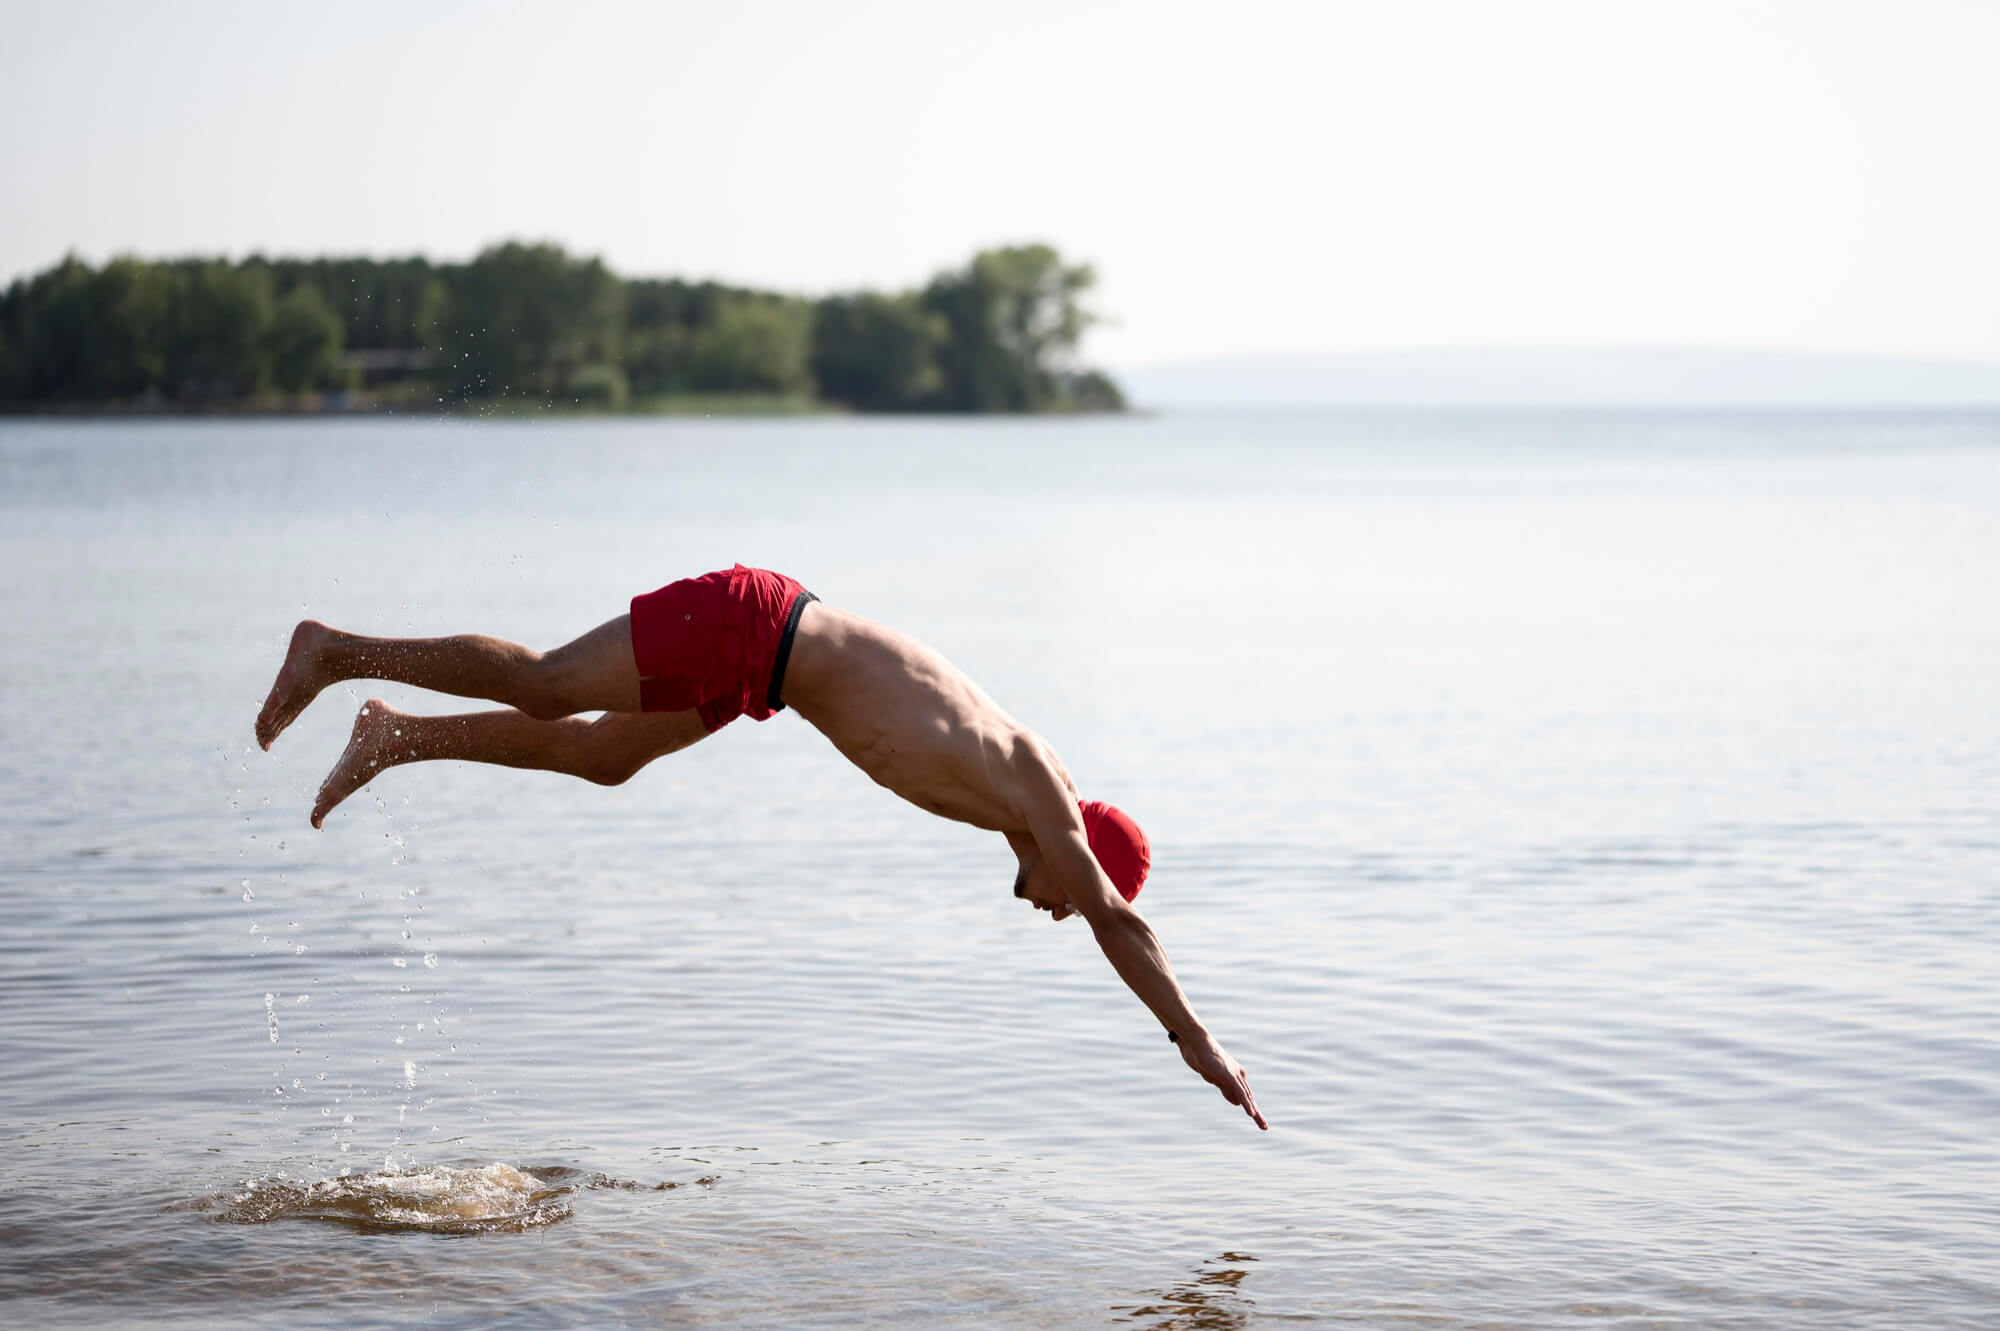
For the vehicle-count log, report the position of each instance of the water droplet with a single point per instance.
(431, 960)
(248, 895)
(399, 962)
(271, 1015)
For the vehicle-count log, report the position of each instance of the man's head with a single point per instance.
(1121, 850)
(1120, 847)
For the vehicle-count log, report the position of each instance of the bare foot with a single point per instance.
(298, 683)
(369, 749)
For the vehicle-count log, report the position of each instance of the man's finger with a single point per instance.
(1250, 1102)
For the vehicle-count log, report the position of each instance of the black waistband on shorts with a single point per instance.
(773, 698)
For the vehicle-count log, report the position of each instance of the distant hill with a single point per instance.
(1560, 378)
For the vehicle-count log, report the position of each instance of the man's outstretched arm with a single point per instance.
(1128, 942)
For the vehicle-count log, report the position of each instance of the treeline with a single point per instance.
(533, 323)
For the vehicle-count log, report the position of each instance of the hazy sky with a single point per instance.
(1248, 177)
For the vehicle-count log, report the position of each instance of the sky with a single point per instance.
(1252, 178)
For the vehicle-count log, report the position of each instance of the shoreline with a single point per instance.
(315, 407)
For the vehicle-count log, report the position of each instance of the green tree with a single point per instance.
(58, 333)
(82, 334)
(662, 319)
(1014, 318)
(757, 344)
(383, 304)
(1089, 390)
(218, 346)
(999, 334)
(16, 325)
(523, 318)
(656, 358)
(10, 357)
(133, 317)
(304, 341)
(878, 353)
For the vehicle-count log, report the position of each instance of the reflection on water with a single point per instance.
(1211, 1299)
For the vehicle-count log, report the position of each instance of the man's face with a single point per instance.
(1036, 885)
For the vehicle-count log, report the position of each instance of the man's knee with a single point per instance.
(608, 767)
(606, 754)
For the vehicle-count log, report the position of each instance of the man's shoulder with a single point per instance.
(1023, 747)
(1035, 765)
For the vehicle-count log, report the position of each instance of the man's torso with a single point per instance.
(914, 722)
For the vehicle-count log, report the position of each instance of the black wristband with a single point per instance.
(1173, 1037)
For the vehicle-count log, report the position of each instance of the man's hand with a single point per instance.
(1222, 1072)
(1129, 944)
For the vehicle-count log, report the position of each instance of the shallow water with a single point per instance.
(1585, 829)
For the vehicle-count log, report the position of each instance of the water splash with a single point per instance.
(485, 1199)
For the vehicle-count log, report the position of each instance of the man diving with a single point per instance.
(696, 654)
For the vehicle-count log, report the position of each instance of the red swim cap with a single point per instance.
(1119, 845)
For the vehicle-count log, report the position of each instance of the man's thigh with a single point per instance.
(597, 670)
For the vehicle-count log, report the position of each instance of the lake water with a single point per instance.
(1584, 827)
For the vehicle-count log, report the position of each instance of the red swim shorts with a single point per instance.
(717, 643)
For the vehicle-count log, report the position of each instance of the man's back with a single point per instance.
(910, 719)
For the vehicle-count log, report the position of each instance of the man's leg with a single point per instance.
(595, 673)
(608, 750)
